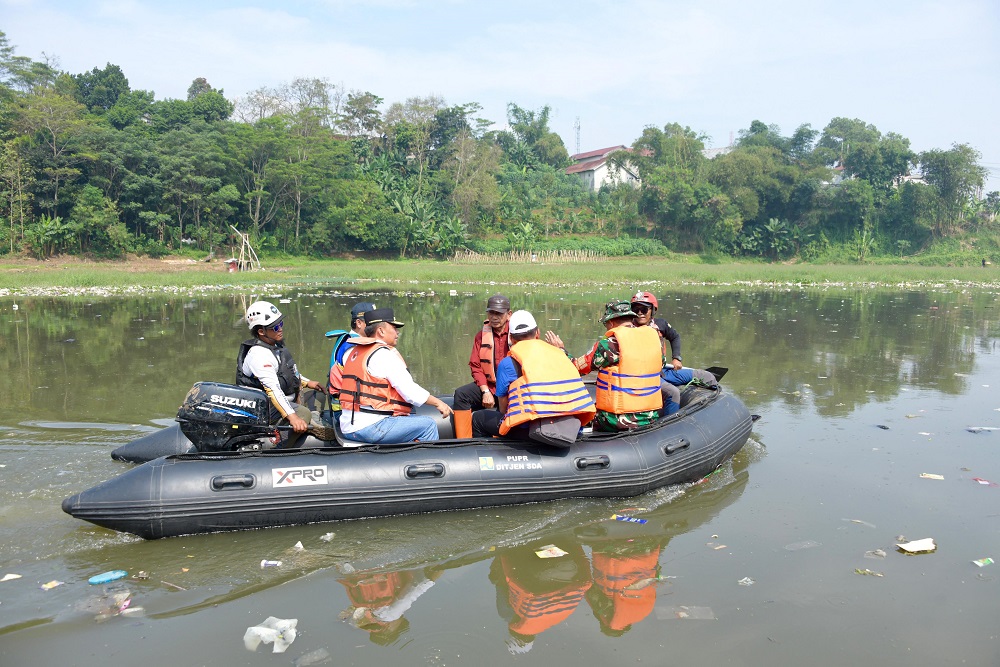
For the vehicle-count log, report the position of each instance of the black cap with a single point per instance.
(360, 309)
(380, 315)
(498, 303)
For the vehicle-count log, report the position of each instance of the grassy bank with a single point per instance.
(140, 275)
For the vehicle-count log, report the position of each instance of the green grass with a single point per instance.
(626, 272)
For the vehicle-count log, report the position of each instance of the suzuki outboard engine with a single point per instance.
(220, 417)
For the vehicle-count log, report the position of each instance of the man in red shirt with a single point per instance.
(488, 349)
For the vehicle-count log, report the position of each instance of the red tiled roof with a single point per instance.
(600, 152)
(585, 166)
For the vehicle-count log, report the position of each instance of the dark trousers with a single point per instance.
(486, 423)
(468, 397)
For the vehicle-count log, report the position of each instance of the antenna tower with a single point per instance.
(576, 127)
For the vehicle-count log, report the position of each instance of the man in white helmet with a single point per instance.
(264, 363)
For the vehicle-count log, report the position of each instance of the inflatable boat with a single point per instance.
(205, 490)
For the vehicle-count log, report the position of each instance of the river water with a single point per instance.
(773, 560)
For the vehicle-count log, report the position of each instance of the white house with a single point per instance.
(595, 170)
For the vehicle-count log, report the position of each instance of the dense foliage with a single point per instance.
(90, 166)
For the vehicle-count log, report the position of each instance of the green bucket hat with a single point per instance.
(616, 309)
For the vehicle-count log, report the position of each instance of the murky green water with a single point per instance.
(819, 485)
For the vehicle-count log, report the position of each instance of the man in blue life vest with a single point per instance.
(378, 393)
(337, 367)
(489, 348)
(264, 362)
(535, 383)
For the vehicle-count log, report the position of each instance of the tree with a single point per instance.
(360, 115)
(841, 135)
(956, 176)
(198, 87)
(100, 89)
(408, 127)
(55, 122)
(531, 128)
(473, 167)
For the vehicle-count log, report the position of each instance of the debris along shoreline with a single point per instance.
(141, 276)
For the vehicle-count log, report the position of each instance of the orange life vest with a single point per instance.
(379, 589)
(537, 612)
(549, 386)
(634, 384)
(615, 575)
(360, 390)
(486, 352)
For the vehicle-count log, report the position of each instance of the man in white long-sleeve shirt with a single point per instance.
(378, 393)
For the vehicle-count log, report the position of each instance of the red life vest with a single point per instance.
(549, 386)
(360, 390)
(633, 385)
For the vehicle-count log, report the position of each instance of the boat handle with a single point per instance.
(591, 462)
(676, 445)
(232, 482)
(424, 470)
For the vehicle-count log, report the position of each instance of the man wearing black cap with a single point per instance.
(377, 391)
(488, 349)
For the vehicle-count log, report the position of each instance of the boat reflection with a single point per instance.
(610, 565)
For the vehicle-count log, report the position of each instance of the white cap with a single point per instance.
(521, 322)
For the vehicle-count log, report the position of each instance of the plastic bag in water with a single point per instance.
(279, 631)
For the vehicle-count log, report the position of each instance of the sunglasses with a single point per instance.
(641, 310)
(277, 326)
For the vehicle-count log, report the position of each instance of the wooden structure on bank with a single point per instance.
(247, 259)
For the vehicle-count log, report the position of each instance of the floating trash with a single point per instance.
(269, 563)
(746, 581)
(52, 584)
(318, 657)
(106, 577)
(922, 546)
(10, 576)
(684, 613)
(863, 523)
(983, 562)
(981, 429)
(984, 482)
(875, 554)
(883, 427)
(328, 537)
(627, 519)
(867, 572)
(930, 475)
(280, 632)
(550, 551)
(798, 546)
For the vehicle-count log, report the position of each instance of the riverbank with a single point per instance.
(72, 276)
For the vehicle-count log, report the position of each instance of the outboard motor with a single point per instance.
(220, 417)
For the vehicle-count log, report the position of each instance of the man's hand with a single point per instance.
(553, 339)
(488, 400)
(297, 423)
(677, 364)
(312, 384)
(441, 406)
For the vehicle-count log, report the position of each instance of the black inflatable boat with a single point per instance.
(210, 491)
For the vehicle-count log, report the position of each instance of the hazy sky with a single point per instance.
(927, 70)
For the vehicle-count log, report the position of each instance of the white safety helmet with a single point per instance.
(262, 313)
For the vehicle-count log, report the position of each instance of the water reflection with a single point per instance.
(77, 374)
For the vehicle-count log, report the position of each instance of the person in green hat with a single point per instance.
(628, 360)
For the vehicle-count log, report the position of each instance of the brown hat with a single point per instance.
(380, 315)
(498, 303)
